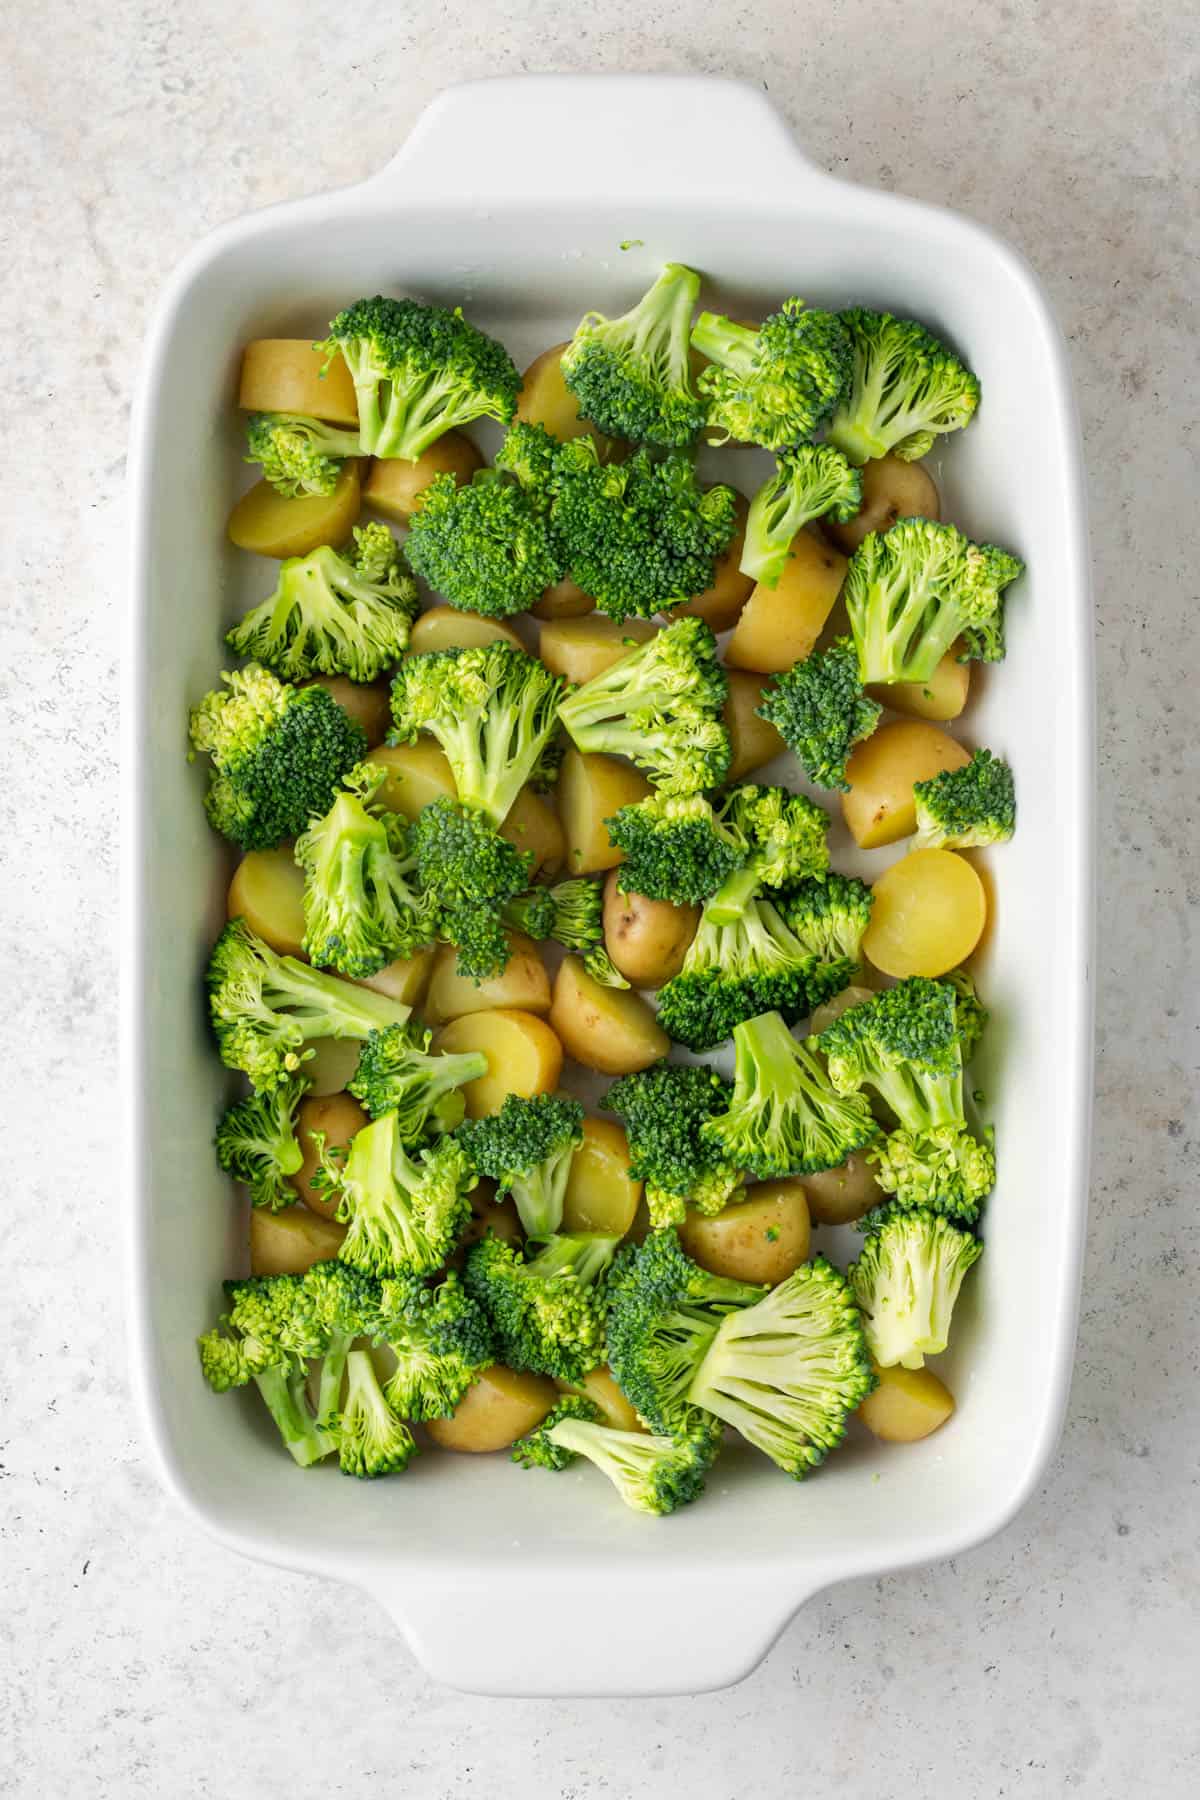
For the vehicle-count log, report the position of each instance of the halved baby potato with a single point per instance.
(762, 1237)
(942, 697)
(500, 1406)
(752, 741)
(416, 774)
(272, 524)
(522, 983)
(929, 913)
(580, 649)
(336, 1118)
(331, 1065)
(646, 939)
(545, 399)
(880, 807)
(833, 1008)
(601, 1196)
(891, 490)
(445, 628)
(599, 1387)
(612, 1030)
(524, 1056)
(285, 375)
(590, 790)
(838, 1196)
(780, 625)
(489, 1215)
(405, 979)
(565, 600)
(534, 827)
(907, 1405)
(395, 485)
(289, 1242)
(267, 891)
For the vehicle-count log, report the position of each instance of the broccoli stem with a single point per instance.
(733, 896)
(856, 443)
(723, 342)
(286, 1401)
(333, 1368)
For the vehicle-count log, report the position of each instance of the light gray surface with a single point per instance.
(136, 1657)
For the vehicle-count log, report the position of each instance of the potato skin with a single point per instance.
(498, 1408)
(880, 807)
(763, 1237)
(335, 1117)
(601, 1196)
(612, 1030)
(646, 939)
(941, 698)
(523, 983)
(289, 1242)
(753, 741)
(545, 399)
(832, 1009)
(285, 375)
(395, 486)
(600, 1388)
(445, 628)
(891, 490)
(331, 1065)
(838, 1196)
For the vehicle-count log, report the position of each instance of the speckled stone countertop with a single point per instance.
(138, 1658)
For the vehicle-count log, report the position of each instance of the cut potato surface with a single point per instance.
(445, 628)
(331, 1065)
(600, 1195)
(880, 807)
(415, 775)
(522, 983)
(752, 741)
(590, 790)
(907, 1405)
(891, 490)
(285, 375)
(267, 891)
(780, 625)
(524, 1056)
(545, 399)
(721, 604)
(580, 649)
(336, 1118)
(646, 939)
(405, 979)
(369, 703)
(500, 1406)
(612, 1030)
(929, 913)
(942, 697)
(394, 486)
(763, 1237)
(534, 827)
(289, 1242)
(271, 524)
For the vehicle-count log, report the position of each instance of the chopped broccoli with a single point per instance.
(372, 1439)
(970, 1014)
(661, 706)
(527, 1149)
(256, 1144)
(266, 1008)
(734, 972)
(547, 1311)
(829, 915)
(788, 1372)
(487, 547)
(632, 375)
(786, 1117)
(419, 371)
(492, 709)
(347, 613)
(962, 808)
(530, 455)
(812, 482)
(473, 871)
(820, 711)
(572, 914)
(441, 1340)
(653, 1474)
(782, 838)
(906, 1281)
(905, 390)
(640, 536)
(265, 1337)
(775, 385)
(675, 848)
(537, 1450)
(663, 1313)
(299, 455)
(396, 1073)
(278, 755)
(911, 591)
(662, 1110)
(362, 904)
(405, 1214)
(343, 1304)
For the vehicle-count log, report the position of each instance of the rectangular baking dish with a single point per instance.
(513, 197)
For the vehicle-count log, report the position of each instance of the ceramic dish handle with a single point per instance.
(617, 138)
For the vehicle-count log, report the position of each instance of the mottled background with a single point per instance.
(136, 1658)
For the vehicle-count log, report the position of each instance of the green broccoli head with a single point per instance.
(278, 754)
(812, 482)
(911, 591)
(906, 1281)
(362, 904)
(640, 536)
(487, 547)
(530, 454)
(537, 1450)
(943, 1169)
(299, 455)
(474, 872)
(788, 1372)
(675, 848)
(632, 375)
(256, 1143)
(782, 837)
(662, 1110)
(652, 1473)
(962, 808)
(776, 385)
(404, 1213)
(548, 1310)
(267, 1009)
(396, 1073)
(527, 1149)
(418, 372)
(372, 1439)
(906, 389)
(829, 915)
(820, 711)
(441, 1340)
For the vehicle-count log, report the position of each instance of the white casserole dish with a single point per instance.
(513, 196)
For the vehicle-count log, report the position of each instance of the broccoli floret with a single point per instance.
(441, 1340)
(372, 1439)
(278, 755)
(663, 1313)
(547, 1311)
(662, 1110)
(363, 906)
(906, 1281)
(572, 914)
(735, 972)
(396, 1073)
(343, 1304)
(265, 1338)
(812, 482)
(640, 536)
(530, 454)
(473, 871)
(776, 385)
(661, 706)
(632, 376)
(820, 711)
(782, 837)
(786, 1117)
(946, 1169)
(911, 591)
(266, 1008)
(653, 1474)
(829, 916)
(675, 848)
(419, 371)
(788, 1372)
(492, 709)
(405, 1213)
(299, 455)
(256, 1144)
(906, 389)
(970, 1014)
(487, 547)
(962, 808)
(537, 1450)
(332, 613)
(527, 1149)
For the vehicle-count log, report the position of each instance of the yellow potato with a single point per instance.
(368, 702)
(565, 600)
(908, 1404)
(499, 1407)
(780, 625)
(590, 790)
(270, 524)
(580, 649)
(267, 891)
(405, 979)
(929, 913)
(394, 486)
(284, 375)
(942, 697)
(289, 1242)
(599, 1387)
(612, 1030)
(545, 399)
(752, 741)
(891, 490)
(829, 1010)
(499, 1217)
(880, 807)
(524, 1056)
(646, 939)
(522, 983)
(331, 1065)
(445, 628)
(763, 1237)
(600, 1194)
(336, 1117)
(720, 604)
(416, 774)
(836, 1196)
(534, 827)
